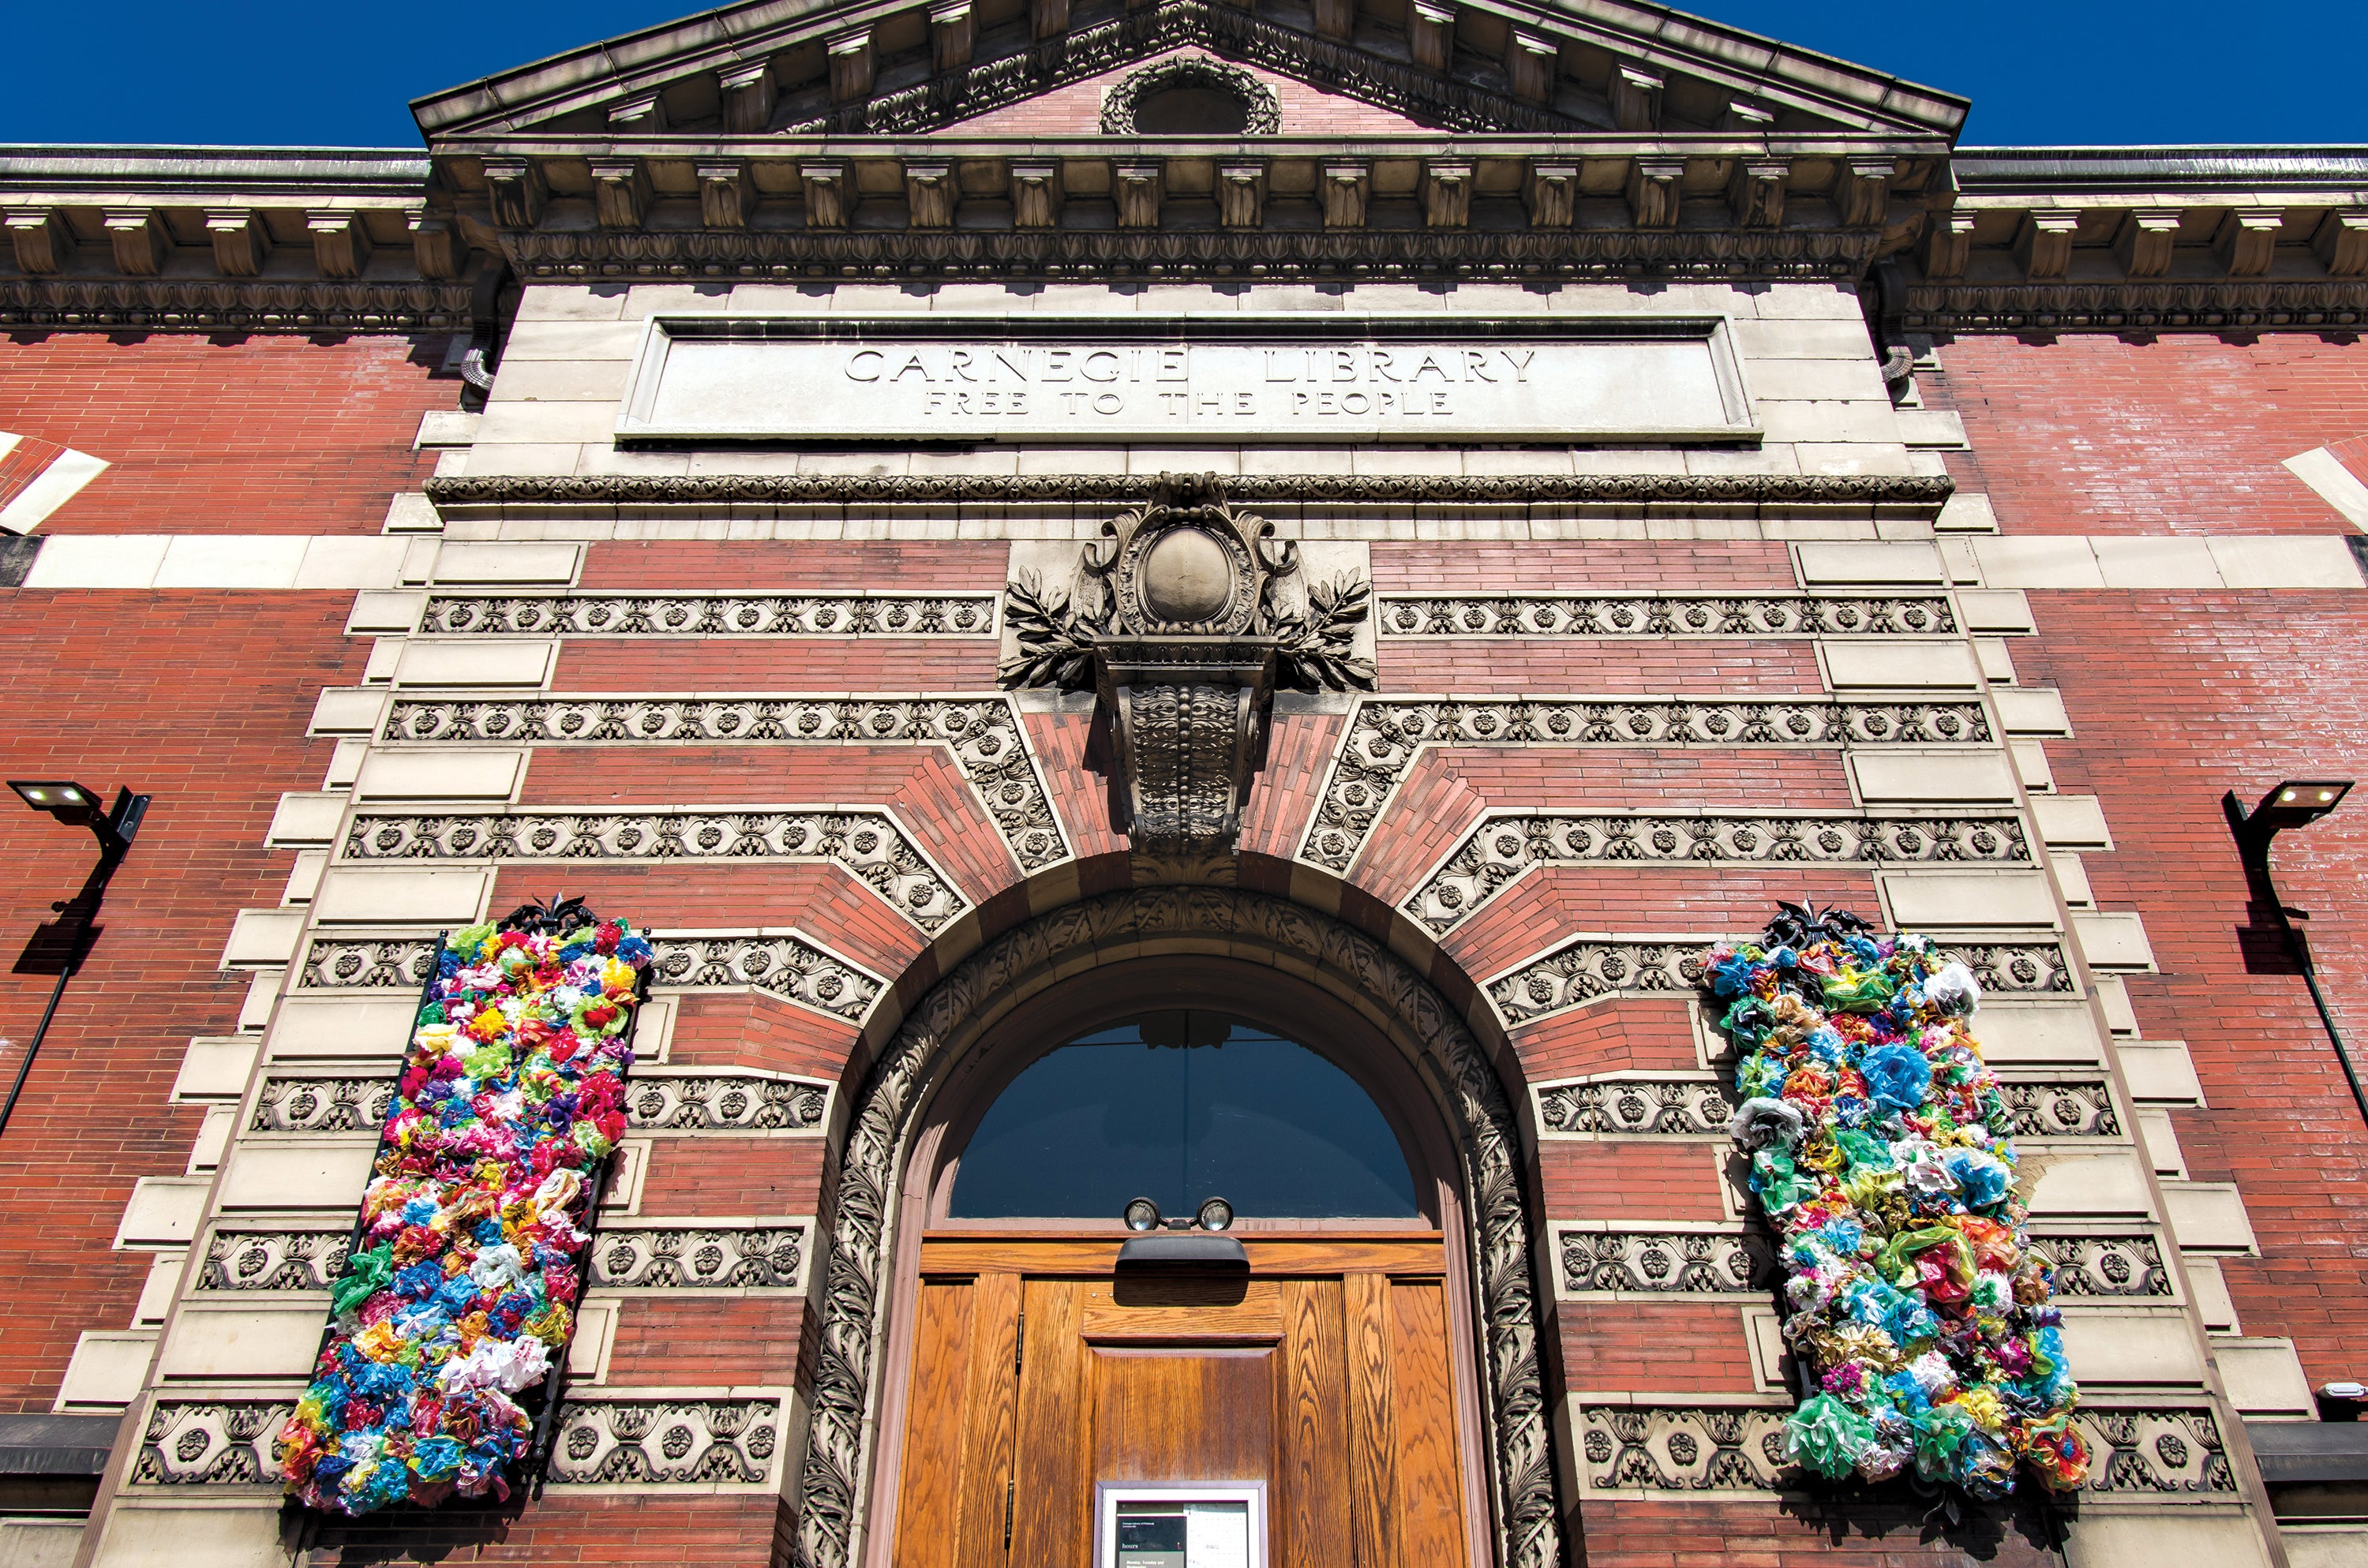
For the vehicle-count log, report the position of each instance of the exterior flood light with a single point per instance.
(1141, 1215)
(60, 946)
(2297, 803)
(1216, 1214)
(70, 803)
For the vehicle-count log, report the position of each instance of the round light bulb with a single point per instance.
(1141, 1215)
(1216, 1214)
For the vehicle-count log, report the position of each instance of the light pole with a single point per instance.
(60, 946)
(2297, 802)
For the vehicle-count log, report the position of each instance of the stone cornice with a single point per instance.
(527, 494)
(782, 42)
(2132, 306)
(202, 305)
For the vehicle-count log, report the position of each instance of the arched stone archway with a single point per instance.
(1358, 971)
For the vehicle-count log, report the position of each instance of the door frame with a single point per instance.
(871, 1241)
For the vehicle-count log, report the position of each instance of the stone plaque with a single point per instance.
(1238, 380)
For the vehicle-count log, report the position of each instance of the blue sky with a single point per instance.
(2061, 71)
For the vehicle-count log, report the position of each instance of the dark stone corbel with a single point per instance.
(1180, 628)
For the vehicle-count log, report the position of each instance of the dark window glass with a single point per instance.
(1181, 1106)
(1192, 112)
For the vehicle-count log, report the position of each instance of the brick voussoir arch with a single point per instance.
(916, 1051)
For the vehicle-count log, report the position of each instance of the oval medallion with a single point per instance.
(1187, 576)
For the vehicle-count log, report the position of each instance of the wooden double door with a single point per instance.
(1040, 1369)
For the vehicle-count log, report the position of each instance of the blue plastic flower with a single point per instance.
(1897, 1076)
(1982, 1178)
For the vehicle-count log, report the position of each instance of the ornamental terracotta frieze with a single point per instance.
(1385, 735)
(1661, 614)
(778, 963)
(1667, 1262)
(1587, 969)
(1920, 495)
(868, 844)
(722, 1440)
(710, 615)
(1698, 1106)
(1503, 848)
(658, 1099)
(1568, 255)
(983, 733)
(629, 1255)
(1705, 1450)
(1681, 1261)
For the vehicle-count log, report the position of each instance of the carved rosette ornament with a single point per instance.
(1183, 619)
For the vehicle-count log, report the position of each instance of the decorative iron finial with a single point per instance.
(556, 916)
(1800, 925)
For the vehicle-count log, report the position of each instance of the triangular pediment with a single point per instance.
(1568, 68)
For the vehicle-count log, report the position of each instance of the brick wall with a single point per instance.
(2178, 435)
(2175, 697)
(198, 698)
(225, 434)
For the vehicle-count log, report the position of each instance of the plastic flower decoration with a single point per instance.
(461, 1289)
(1881, 1153)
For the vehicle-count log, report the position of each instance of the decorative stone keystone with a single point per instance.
(953, 36)
(1636, 98)
(1551, 193)
(748, 94)
(240, 241)
(825, 192)
(2248, 240)
(1241, 195)
(1655, 186)
(1756, 192)
(2045, 244)
(139, 240)
(518, 191)
(1948, 244)
(621, 192)
(1181, 628)
(42, 240)
(724, 194)
(929, 192)
(2341, 243)
(850, 66)
(1447, 193)
(1136, 189)
(2143, 247)
(1035, 195)
(1431, 34)
(1345, 186)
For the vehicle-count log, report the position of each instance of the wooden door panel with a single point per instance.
(1335, 1387)
(928, 1498)
(1369, 1327)
(1431, 1482)
(1177, 1310)
(1183, 1414)
(1051, 1524)
(990, 1411)
(1311, 1502)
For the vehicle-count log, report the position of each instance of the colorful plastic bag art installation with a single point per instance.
(1880, 1152)
(468, 1260)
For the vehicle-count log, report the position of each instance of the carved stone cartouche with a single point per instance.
(1177, 624)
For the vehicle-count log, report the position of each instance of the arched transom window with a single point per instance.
(1180, 1107)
